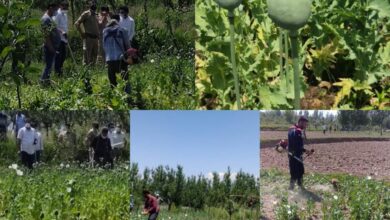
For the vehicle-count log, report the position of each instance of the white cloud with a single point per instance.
(233, 176)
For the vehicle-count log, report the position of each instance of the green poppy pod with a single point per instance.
(229, 4)
(289, 14)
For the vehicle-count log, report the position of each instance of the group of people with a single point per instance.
(105, 34)
(103, 145)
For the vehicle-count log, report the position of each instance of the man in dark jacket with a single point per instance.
(102, 148)
(296, 149)
(115, 44)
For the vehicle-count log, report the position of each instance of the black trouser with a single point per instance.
(106, 159)
(296, 169)
(60, 58)
(27, 159)
(118, 66)
(153, 216)
(38, 155)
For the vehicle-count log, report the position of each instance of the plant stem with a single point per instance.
(285, 36)
(295, 57)
(233, 59)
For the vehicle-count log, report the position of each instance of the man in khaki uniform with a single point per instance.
(68, 143)
(90, 34)
(91, 135)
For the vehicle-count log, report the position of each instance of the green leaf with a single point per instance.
(3, 10)
(5, 51)
(382, 6)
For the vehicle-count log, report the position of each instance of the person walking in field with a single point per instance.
(67, 139)
(90, 34)
(324, 129)
(52, 41)
(61, 19)
(102, 148)
(26, 143)
(20, 121)
(103, 19)
(116, 43)
(91, 135)
(39, 144)
(296, 150)
(117, 138)
(127, 23)
(151, 206)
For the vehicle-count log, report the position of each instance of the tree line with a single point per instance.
(198, 192)
(348, 120)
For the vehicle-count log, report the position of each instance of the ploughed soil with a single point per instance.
(360, 158)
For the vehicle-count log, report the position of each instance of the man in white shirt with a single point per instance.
(61, 20)
(117, 138)
(126, 22)
(26, 141)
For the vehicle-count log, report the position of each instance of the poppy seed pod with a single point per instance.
(229, 4)
(289, 14)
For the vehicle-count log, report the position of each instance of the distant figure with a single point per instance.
(151, 206)
(67, 139)
(118, 140)
(324, 129)
(103, 150)
(26, 143)
(20, 121)
(127, 23)
(39, 145)
(103, 19)
(3, 126)
(61, 19)
(91, 135)
(330, 129)
(90, 34)
(52, 38)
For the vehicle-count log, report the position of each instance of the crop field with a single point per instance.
(343, 57)
(209, 213)
(67, 191)
(162, 79)
(357, 161)
(355, 198)
(356, 158)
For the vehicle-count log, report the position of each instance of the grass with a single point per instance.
(51, 192)
(355, 198)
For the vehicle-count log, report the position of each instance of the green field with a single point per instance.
(208, 213)
(355, 197)
(52, 192)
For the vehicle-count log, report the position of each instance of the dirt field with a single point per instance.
(275, 135)
(356, 158)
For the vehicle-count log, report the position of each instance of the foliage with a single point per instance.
(52, 192)
(195, 194)
(162, 80)
(344, 55)
(356, 198)
(50, 124)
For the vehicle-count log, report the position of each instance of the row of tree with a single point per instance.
(197, 192)
(343, 120)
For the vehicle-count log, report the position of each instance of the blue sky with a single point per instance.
(200, 141)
